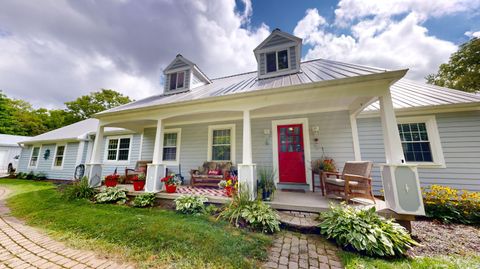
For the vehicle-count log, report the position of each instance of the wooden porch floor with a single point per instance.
(283, 200)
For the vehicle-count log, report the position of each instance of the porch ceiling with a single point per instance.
(133, 125)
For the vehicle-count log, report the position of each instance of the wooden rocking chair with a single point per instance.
(354, 181)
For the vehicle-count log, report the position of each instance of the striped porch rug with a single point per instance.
(201, 191)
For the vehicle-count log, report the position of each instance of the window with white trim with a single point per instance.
(171, 145)
(118, 149)
(277, 60)
(34, 157)
(420, 140)
(221, 144)
(177, 80)
(59, 153)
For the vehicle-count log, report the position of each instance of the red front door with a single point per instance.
(291, 158)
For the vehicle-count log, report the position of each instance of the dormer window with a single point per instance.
(277, 60)
(278, 55)
(177, 80)
(182, 75)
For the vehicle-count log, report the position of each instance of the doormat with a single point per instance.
(293, 190)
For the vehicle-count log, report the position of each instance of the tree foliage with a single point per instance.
(85, 106)
(18, 117)
(462, 72)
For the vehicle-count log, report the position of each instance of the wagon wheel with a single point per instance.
(79, 172)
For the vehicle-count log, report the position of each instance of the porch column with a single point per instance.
(95, 166)
(247, 172)
(391, 136)
(400, 180)
(156, 170)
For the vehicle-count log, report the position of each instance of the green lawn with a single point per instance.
(150, 237)
(355, 261)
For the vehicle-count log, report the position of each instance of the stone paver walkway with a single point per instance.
(293, 250)
(299, 221)
(22, 246)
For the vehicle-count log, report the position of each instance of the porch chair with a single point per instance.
(140, 168)
(354, 181)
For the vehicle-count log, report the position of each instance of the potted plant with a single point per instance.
(112, 180)
(138, 182)
(266, 182)
(229, 185)
(171, 183)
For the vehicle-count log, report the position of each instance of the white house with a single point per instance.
(9, 152)
(346, 111)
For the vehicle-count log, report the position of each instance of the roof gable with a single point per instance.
(179, 62)
(276, 38)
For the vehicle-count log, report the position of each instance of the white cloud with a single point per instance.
(378, 41)
(63, 49)
(472, 34)
(349, 10)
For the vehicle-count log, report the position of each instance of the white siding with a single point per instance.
(108, 168)
(460, 139)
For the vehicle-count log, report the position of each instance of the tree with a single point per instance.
(462, 72)
(17, 117)
(85, 106)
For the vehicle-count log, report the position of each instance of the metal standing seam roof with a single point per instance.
(405, 93)
(311, 71)
(11, 140)
(75, 131)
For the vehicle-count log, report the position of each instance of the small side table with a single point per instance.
(321, 175)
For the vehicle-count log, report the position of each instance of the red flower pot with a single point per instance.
(111, 182)
(171, 188)
(229, 191)
(138, 185)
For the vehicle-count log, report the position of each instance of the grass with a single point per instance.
(149, 237)
(354, 261)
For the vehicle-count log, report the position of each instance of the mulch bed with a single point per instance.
(445, 239)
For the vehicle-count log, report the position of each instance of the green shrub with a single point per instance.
(450, 205)
(365, 231)
(40, 176)
(30, 175)
(112, 195)
(144, 200)
(211, 210)
(191, 204)
(256, 214)
(262, 217)
(79, 190)
(21, 175)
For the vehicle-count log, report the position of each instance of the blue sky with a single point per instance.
(54, 52)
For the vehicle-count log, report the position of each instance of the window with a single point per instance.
(221, 144)
(59, 153)
(420, 140)
(277, 61)
(171, 146)
(118, 148)
(177, 80)
(34, 157)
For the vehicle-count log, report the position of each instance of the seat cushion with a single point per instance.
(210, 176)
(339, 182)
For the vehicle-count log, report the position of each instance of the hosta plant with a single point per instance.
(262, 217)
(365, 231)
(112, 195)
(144, 200)
(191, 204)
(256, 214)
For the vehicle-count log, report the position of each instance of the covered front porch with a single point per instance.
(325, 114)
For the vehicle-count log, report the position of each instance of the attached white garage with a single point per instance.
(9, 152)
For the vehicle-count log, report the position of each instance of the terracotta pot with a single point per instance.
(229, 191)
(112, 182)
(138, 185)
(171, 188)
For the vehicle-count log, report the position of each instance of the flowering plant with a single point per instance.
(451, 205)
(171, 180)
(138, 177)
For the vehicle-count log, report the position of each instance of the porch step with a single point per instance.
(303, 222)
